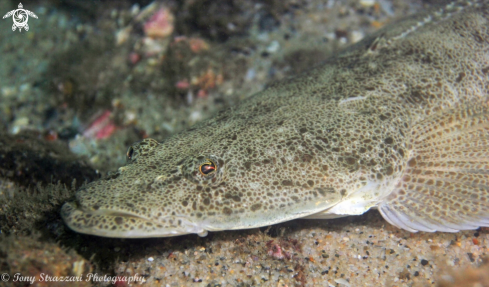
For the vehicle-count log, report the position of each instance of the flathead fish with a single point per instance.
(397, 122)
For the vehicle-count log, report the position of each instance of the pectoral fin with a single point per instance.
(445, 185)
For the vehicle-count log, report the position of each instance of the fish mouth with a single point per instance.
(114, 223)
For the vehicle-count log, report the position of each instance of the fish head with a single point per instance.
(229, 172)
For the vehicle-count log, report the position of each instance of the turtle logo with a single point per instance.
(20, 17)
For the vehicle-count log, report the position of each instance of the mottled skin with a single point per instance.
(396, 122)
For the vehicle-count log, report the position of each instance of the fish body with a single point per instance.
(397, 122)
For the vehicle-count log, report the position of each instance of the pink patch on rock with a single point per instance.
(201, 94)
(102, 127)
(120, 283)
(282, 249)
(276, 251)
(197, 45)
(106, 131)
(182, 84)
(134, 58)
(160, 25)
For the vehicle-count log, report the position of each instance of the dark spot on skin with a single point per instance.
(343, 192)
(247, 165)
(96, 207)
(311, 183)
(233, 197)
(389, 140)
(130, 205)
(194, 205)
(295, 198)
(255, 207)
(234, 137)
(460, 77)
(199, 215)
(118, 220)
(307, 158)
(287, 183)
(324, 140)
(324, 191)
(401, 152)
(350, 160)
(207, 201)
(412, 162)
(303, 130)
(318, 147)
(227, 211)
(477, 36)
(372, 162)
(389, 170)
(184, 203)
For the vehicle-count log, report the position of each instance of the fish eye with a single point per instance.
(130, 153)
(141, 148)
(203, 169)
(208, 167)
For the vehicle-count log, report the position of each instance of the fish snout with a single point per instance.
(114, 223)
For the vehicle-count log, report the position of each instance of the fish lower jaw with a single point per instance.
(117, 224)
